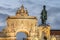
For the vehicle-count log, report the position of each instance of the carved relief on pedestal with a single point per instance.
(44, 31)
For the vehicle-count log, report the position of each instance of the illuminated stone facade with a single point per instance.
(22, 22)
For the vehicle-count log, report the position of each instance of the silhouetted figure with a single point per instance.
(24, 39)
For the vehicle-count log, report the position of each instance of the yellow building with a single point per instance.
(22, 22)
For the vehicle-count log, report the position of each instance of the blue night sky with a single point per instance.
(34, 7)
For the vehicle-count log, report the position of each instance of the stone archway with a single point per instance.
(22, 22)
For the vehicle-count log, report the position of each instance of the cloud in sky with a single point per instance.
(34, 7)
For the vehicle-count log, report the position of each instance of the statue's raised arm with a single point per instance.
(44, 15)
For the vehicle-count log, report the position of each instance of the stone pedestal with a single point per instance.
(44, 30)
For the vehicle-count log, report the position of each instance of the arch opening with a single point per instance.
(21, 36)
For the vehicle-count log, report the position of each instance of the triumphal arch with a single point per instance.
(22, 22)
